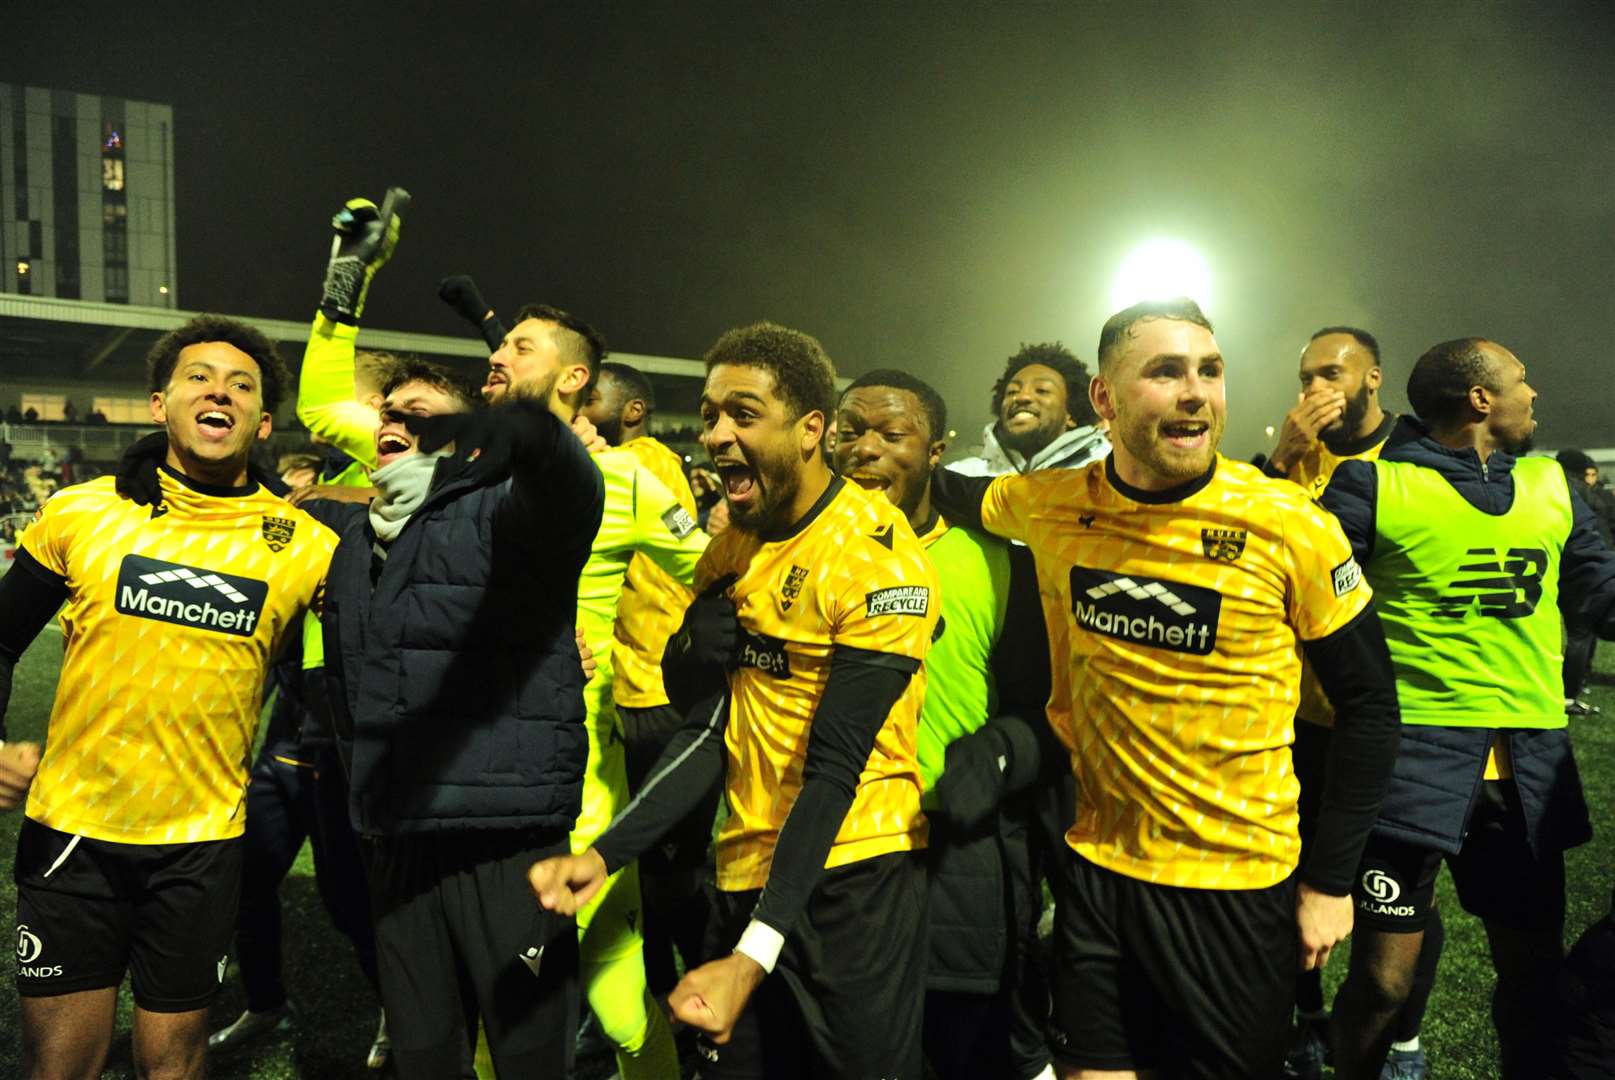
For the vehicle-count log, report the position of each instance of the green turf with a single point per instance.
(338, 1013)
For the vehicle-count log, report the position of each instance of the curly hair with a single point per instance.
(1051, 354)
(804, 377)
(273, 377)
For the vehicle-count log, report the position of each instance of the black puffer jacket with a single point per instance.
(457, 673)
(1439, 769)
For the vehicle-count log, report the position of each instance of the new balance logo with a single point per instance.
(1507, 588)
(1146, 611)
(533, 957)
(188, 596)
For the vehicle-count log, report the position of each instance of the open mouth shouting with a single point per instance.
(390, 446)
(496, 384)
(215, 425)
(740, 484)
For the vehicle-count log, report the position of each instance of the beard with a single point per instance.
(1031, 442)
(610, 430)
(1144, 441)
(1351, 418)
(778, 478)
(535, 389)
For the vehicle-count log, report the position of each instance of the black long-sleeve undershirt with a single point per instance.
(29, 595)
(859, 694)
(1353, 666)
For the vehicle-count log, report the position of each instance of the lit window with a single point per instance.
(163, 289)
(47, 406)
(114, 213)
(23, 267)
(112, 174)
(123, 410)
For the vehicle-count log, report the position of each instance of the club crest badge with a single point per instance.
(278, 532)
(791, 591)
(1224, 545)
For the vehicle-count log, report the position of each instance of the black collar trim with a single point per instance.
(808, 518)
(1170, 495)
(1353, 447)
(220, 491)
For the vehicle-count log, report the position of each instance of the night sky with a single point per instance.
(922, 186)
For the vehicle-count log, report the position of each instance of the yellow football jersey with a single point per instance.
(851, 574)
(653, 602)
(1312, 472)
(170, 625)
(1173, 634)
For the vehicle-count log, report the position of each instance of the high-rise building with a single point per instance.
(86, 197)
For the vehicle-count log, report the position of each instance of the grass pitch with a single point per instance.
(337, 1014)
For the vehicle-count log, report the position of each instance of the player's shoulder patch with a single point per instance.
(898, 600)
(1347, 576)
(679, 521)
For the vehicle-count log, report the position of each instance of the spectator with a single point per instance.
(70, 413)
(13, 415)
(31, 415)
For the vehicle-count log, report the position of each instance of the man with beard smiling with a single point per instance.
(1042, 417)
(1176, 585)
(1475, 553)
(800, 666)
(1338, 416)
(130, 853)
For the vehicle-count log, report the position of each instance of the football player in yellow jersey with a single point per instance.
(1176, 586)
(1337, 418)
(800, 666)
(130, 857)
(620, 406)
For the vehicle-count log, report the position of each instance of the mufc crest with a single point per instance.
(1224, 545)
(792, 589)
(278, 531)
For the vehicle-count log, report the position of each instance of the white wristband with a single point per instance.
(762, 943)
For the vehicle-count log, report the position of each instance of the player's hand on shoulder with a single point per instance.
(564, 883)
(136, 475)
(1323, 921)
(711, 997)
(19, 761)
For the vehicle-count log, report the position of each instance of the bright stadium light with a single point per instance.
(1160, 269)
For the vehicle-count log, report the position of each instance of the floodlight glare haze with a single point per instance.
(1160, 269)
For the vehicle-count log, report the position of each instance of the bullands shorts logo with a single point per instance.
(29, 951)
(1146, 611)
(188, 596)
(1379, 893)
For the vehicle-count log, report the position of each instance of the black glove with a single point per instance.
(136, 478)
(710, 633)
(461, 293)
(974, 778)
(364, 241)
(487, 441)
